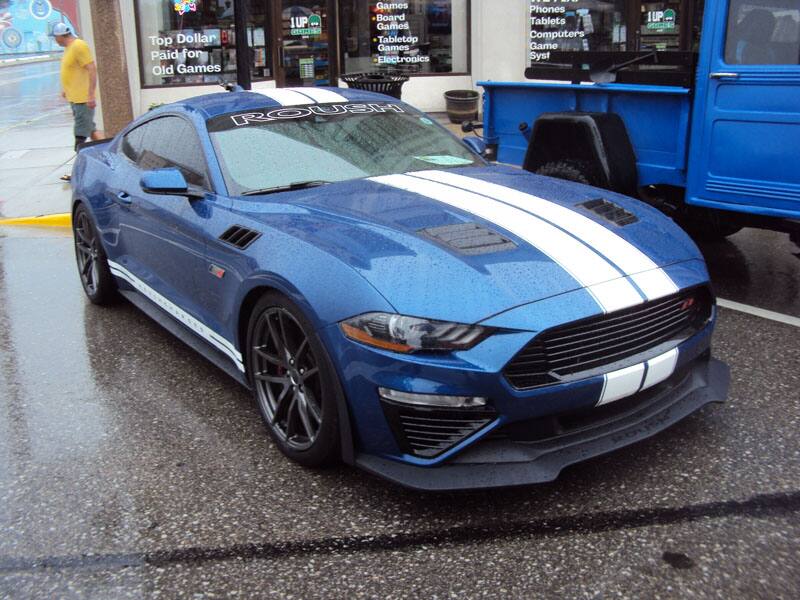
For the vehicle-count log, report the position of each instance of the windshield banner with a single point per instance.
(292, 113)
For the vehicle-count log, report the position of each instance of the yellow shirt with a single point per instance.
(74, 76)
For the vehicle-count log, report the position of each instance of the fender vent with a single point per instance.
(239, 237)
(468, 238)
(610, 212)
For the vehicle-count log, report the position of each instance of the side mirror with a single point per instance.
(170, 182)
(476, 144)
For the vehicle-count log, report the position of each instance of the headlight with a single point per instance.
(410, 334)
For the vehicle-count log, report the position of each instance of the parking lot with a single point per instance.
(131, 467)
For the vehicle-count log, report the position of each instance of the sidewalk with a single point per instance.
(33, 156)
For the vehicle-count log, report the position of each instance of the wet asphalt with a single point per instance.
(132, 468)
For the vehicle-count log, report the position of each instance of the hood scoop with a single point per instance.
(609, 211)
(468, 238)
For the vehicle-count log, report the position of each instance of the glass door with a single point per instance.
(305, 39)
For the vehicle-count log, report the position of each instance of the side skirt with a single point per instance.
(185, 335)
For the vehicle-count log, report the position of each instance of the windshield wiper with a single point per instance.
(295, 185)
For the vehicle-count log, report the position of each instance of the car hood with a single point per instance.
(397, 233)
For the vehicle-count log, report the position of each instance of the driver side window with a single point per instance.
(167, 142)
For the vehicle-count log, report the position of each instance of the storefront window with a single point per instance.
(194, 42)
(589, 25)
(629, 41)
(417, 36)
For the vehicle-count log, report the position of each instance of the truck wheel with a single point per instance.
(572, 170)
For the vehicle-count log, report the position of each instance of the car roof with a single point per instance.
(213, 105)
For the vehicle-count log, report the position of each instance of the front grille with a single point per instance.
(562, 424)
(429, 432)
(573, 351)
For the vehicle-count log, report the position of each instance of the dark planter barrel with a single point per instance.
(462, 105)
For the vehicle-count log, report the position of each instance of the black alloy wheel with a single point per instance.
(292, 382)
(96, 278)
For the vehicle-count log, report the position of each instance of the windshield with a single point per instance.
(279, 147)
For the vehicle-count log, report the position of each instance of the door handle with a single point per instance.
(723, 75)
(124, 197)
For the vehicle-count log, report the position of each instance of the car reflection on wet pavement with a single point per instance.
(131, 467)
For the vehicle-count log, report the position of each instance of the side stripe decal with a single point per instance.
(601, 279)
(654, 282)
(301, 96)
(626, 382)
(181, 315)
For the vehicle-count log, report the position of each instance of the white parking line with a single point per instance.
(759, 312)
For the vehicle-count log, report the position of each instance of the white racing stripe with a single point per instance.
(301, 96)
(619, 384)
(320, 95)
(630, 380)
(660, 368)
(181, 315)
(604, 282)
(652, 280)
(286, 96)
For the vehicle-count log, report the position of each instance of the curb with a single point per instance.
(12, 62)
(58, 220)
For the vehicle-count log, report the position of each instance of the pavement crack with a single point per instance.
(758, 507)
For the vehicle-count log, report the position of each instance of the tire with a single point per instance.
(579, 171)
(293, 382)
(96, 278)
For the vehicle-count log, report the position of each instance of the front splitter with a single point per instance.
(491, 464)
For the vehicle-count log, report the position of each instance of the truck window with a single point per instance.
(763, 32)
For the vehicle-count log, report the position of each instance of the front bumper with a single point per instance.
(497, 462)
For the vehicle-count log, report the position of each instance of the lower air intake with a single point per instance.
(429, 432)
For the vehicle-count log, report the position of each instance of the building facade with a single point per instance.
(180, 48)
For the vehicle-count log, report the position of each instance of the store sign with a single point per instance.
(661, 20)
(305, 25)
(182, 54)
(184, 6)
(306, 66)
(393, 41)
(557, 25)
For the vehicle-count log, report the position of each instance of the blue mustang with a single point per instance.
(390, 298)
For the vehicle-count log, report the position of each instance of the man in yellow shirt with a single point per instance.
(78, 81)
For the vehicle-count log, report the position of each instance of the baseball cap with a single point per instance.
(60, 29)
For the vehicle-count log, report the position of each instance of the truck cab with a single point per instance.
(691, 106)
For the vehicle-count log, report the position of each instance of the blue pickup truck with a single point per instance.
(706, 128)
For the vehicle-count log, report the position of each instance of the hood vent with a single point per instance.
(468, 238)
(610, 212)
(239, 237)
